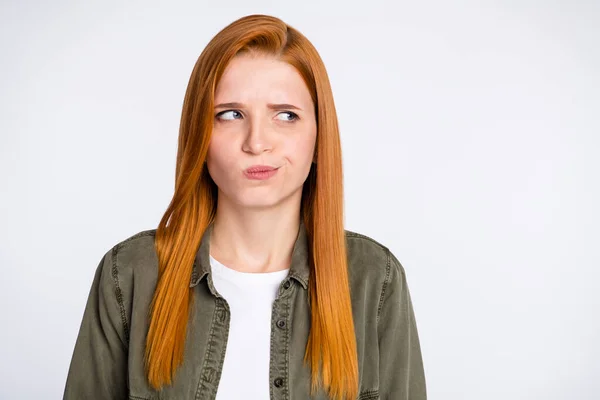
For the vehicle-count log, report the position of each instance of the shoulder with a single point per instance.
(134, 268)
(137, 239)
(371, 258)
(134, 255)
(375, 274)
(359, 242)
(133, 247)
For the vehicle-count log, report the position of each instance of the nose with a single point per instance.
(257, 136)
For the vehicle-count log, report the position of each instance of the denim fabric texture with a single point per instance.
(107, 360)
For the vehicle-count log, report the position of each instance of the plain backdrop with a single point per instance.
(470, 133)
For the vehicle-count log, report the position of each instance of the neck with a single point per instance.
(252, 240)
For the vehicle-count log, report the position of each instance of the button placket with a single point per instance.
(284, 288)
(280, 341)
(213, 361)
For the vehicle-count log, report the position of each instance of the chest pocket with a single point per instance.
(369, 395)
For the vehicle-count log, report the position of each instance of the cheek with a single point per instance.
(218, 161)
(303, 148)
(218, 149)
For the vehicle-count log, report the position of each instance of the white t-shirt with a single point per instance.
(250, 297)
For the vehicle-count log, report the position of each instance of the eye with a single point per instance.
(291, 116)
(231, 114)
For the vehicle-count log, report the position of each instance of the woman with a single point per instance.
(250, 287)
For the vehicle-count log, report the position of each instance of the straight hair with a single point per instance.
(331, 348)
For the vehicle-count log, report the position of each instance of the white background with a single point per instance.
(470, 134)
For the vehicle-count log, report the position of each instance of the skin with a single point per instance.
(257, 222)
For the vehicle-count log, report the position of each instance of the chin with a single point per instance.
(258, 205)
(255, 200)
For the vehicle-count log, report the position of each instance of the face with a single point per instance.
(263, 115)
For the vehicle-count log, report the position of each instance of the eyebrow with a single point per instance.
(270, 105)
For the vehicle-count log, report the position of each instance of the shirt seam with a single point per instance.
(356, 235)
(371, 394)
(385, 283)
(119, 293)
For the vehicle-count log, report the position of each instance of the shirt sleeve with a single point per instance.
(401, 374)
(98, 368)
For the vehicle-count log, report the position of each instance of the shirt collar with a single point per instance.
(299, 269)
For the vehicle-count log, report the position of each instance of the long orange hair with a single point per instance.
(331, 343)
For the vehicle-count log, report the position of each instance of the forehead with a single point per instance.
(251, 78)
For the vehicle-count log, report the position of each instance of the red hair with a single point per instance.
(331, 344)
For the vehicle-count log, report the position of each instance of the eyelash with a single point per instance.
(294, 115)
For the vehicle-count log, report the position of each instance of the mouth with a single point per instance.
(260, 172)
(259, 168)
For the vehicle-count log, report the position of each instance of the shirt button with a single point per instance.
(281, 323)
(278, 382)
(287, 284)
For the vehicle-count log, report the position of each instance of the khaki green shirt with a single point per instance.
(107, 361)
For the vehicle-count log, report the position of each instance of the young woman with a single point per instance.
(251, 287)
